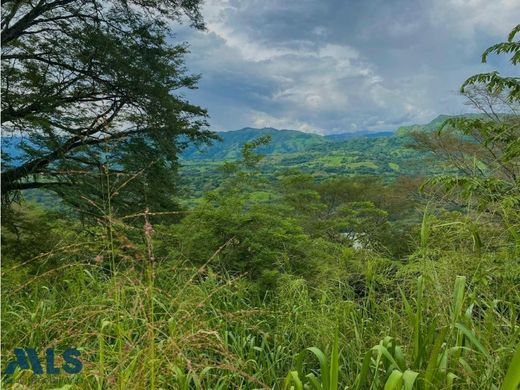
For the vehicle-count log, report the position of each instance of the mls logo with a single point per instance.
(27, 358)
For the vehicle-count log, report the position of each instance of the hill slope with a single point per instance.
(283, 141)
(376, 154)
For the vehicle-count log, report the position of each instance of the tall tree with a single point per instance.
(90, 88)
(485, 148)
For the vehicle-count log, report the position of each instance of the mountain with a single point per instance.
(282, 141)
(429, 127)
(385, 154)
(358, 134)
(382, 154)
(436, 123)
(230, 146)
(293, 141)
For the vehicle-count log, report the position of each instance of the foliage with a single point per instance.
(483, 149)
(385, 156)
(279, 279)
(88, 86)
(420, 323)
(231, 142)
(494, 82)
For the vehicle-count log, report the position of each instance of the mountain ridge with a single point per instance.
(292, 141)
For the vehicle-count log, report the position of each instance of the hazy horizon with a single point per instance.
(388, 130)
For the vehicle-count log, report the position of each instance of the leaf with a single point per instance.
(334, 364)
(361, 380)
(384, 352)
(292, 377)
(394, 381)
(409, 378)
(324, 366)
(512, 379)
(450, 378)
(314, 382)
(471, 337)
(458, 297)
(434, 356)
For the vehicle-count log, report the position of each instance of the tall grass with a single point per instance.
(212, 332)
(439, 356)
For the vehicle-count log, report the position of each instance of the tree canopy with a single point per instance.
(91, 87)
(484, 148)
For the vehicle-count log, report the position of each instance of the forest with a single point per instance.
(171, 256)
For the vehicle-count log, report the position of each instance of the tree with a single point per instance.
(88, 91)
(484, 149)
(242, 233)
(493, 81)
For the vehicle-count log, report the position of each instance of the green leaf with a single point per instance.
(458, 298)
(394, 381)
(362, 378)
(409, 378)
(334, 364)
(471, 337)
(324, 366)
(431, 369)
(450, 379)
(512, 379)
(292, 378)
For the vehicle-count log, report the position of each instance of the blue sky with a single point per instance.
(332, 66)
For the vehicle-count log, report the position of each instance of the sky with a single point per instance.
(336, 66)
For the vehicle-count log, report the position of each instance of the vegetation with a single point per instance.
(87, 87)
(386, 156)
(285, 278)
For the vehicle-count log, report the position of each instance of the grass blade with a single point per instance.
(292, 378)
(409, 378)
(434, 357)
(512, 379)
(324, 366)
(334, 364)
(471, 337)
(365, 368)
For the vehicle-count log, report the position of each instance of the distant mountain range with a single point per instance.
(285, 142)
(282, 141)
(358, 134)
(384, 154)
(374, 153)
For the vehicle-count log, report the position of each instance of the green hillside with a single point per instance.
(294, 141)
(283, 141)
(290, 150)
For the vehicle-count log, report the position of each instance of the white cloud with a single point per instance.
(465, 17)
(262, 119)
(269, 63)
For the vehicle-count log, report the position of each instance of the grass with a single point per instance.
(446, 317)
(394, 166)
(438, 350)
(189, 328)
(366, 164)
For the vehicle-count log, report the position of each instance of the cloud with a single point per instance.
(262, 119)
(333, 66)
(466, 17)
